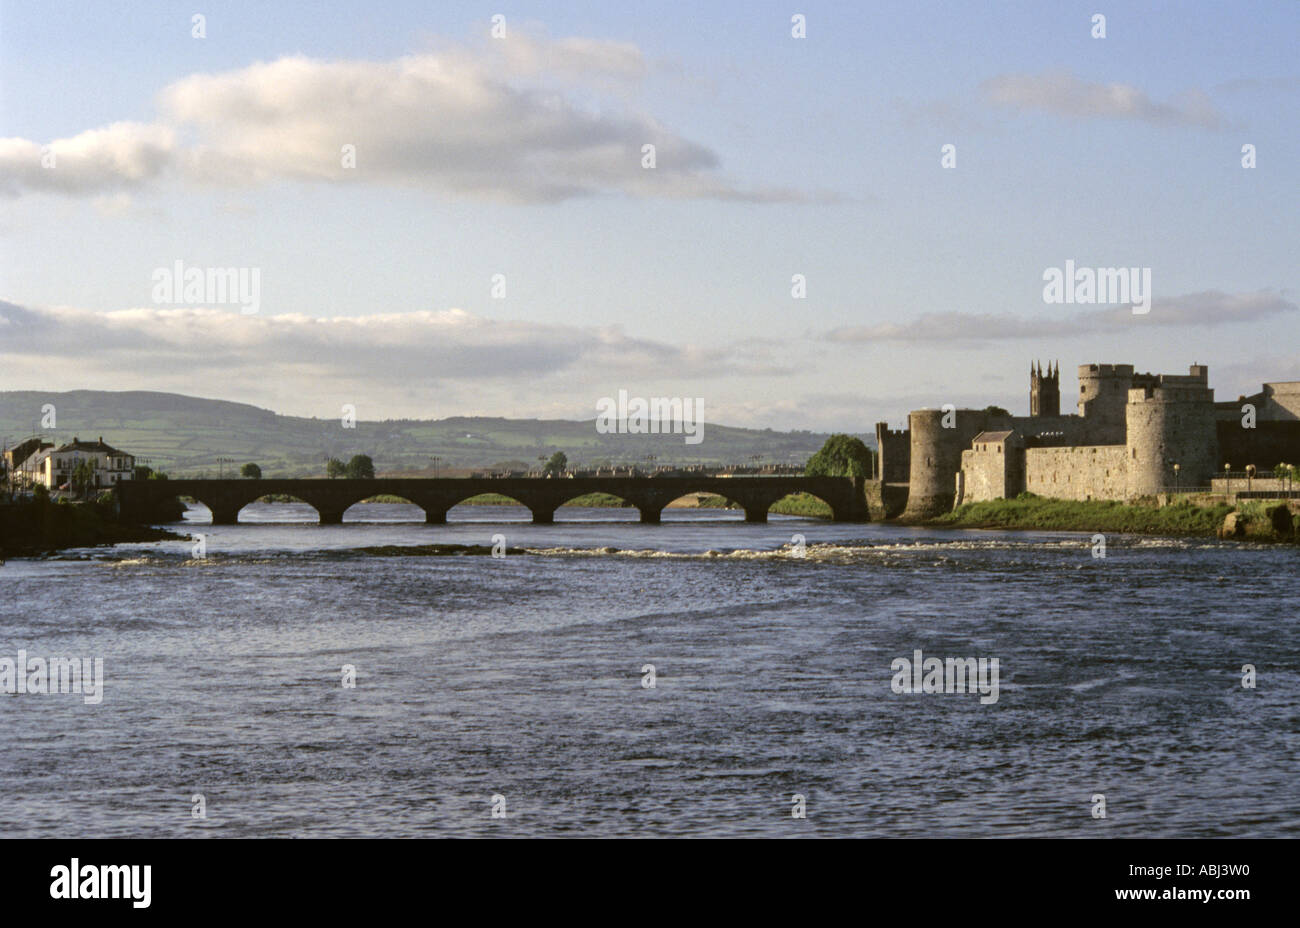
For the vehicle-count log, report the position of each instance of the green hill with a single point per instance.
(186, 435)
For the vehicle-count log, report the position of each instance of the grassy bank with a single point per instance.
(30, 529)
(1184, 518)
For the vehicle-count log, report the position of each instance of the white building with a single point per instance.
(54, 467)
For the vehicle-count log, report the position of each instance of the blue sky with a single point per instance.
(519, 156)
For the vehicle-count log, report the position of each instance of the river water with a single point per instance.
(523, 677)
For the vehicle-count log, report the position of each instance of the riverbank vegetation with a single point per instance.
(1251, 520)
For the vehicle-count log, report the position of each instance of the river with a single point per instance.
(525, 678)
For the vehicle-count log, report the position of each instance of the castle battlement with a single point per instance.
(1105, 370)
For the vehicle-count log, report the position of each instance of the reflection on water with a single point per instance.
(522, 676)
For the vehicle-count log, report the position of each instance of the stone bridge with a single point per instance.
(845, 495)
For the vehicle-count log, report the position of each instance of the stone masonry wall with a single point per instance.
(1085, 472)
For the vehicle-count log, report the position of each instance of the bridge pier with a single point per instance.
(225, 515)
(543, 516)
(330, 516)
(651, 515)
(756, 513)
(435, 517)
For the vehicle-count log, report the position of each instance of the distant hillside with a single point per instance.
(185, 435)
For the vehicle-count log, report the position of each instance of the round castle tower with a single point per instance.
(1167, 425)
(936, 456)
(1103, 396)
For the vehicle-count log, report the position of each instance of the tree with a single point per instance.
(996, 411)
(251, 471)
(335, 468)
(143, 472)
(557, 465)
(361, 467)
(841, 456)
(83, 476)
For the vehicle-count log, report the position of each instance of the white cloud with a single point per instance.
(382, 351)
(1063, 94)
(117, 157)
(1207, 308)
(486, 123)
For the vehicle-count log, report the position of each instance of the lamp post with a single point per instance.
(1227, 477)
(221, 466)
(437, 459)
(1177, 468)
(1250, 473)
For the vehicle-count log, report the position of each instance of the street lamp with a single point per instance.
(1227, 477)
(1176, 469)
(1250, 472)
(436, 460)
(221, 466)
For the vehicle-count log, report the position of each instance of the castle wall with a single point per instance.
(1283, 400)
(1079, 472)
(894, 447)
(1277, 402)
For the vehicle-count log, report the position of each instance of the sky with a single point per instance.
(497, 244)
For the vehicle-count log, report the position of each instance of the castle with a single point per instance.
(1134, 435)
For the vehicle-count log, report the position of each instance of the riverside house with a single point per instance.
(53, 467)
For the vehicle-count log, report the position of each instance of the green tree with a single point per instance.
(83, 477)
(361, 467)
(996, 411)
(143, 472)
(251, 471)
(841, 456)
(557, 465)
(335, 468)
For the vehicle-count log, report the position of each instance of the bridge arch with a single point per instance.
(437, 513)
(807, 502)
(406, 499)
(567, 495)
